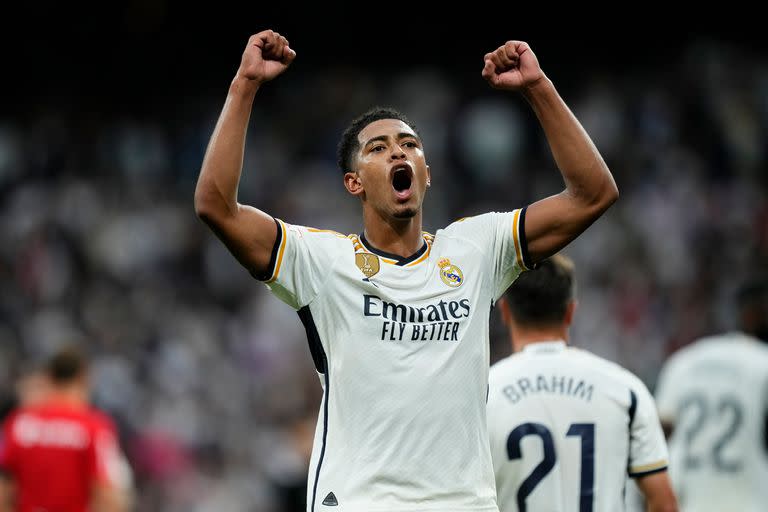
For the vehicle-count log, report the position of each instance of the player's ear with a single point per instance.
(429, 177)
(503, 308)
(353, 183)
(570, 310)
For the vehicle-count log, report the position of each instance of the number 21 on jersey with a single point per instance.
(585, 431)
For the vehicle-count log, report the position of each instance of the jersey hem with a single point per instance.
(441, 508)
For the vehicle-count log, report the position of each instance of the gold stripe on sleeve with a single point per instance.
(516, 238)
(648, 467)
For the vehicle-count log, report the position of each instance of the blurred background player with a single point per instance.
(57, 453)
(565, 425)
(712, 397)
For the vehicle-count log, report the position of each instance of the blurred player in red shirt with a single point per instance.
(59, 454)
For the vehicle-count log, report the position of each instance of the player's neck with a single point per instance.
(402, 237)
(521, 338)
(69, 395)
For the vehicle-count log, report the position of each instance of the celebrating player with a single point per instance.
(397, 319)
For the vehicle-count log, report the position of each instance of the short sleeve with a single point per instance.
(302, 259)
(501, 236)
(109, 465)
(647, 446)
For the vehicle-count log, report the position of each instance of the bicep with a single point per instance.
(553, 222)
(249, 234)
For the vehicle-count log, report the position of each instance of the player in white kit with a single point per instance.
(713, 397)
(397, 319)
(566, 426)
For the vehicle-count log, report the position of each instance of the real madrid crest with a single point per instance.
(367, 263)
(449, 273)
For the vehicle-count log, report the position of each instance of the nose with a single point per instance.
(397, 152)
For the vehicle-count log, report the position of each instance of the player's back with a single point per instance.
(715, 393)
(51, 452)
(565, 426)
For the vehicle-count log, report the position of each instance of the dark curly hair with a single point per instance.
(348, 144)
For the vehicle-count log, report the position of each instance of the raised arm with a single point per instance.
(247, 232)
(552, 223)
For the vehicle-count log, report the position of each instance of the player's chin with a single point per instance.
(405, 212)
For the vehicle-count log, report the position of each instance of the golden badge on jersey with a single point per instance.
(367, 263)
(449, 273)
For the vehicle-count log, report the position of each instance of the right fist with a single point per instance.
(266, 56)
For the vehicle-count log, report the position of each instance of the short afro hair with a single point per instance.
(348, 144)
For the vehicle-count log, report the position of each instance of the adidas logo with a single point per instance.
(330, 500)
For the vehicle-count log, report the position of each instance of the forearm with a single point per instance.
(6, 494)
(222, 166)
(110, 499)
(661, 506)
(586, 175)
(658, 492)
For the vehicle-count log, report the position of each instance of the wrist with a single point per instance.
(542, 86)
(242, 86)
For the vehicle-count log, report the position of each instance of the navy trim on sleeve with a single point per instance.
(649, 472)
(524, 241)
(273, 257)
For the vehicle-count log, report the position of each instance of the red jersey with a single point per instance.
(55, 452)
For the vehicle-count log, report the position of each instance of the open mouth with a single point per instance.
(402, 179)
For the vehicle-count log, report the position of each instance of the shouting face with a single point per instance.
(390, 174)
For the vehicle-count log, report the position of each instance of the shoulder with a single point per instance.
(504, 367)
(100, 420)
(11, 417)
(606, 368)
(472, 223)
(311, 237)
(313, 233)
(477, 230)
(701, 349)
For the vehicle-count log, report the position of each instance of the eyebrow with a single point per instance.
(383, 138)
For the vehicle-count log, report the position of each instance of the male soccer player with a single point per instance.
(57, 453)
(566, 426)
(712, 396)
(397, 319)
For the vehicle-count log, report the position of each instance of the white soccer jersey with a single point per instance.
(402, 349)
(565, 427)
(715, 393)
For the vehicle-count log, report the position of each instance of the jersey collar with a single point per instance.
(545, 347)
(398, 260)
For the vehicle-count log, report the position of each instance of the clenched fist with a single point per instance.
(266, 56)
(512, 67)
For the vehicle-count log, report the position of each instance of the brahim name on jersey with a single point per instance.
(552, 384)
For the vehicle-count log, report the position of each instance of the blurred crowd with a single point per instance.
(209, 377)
